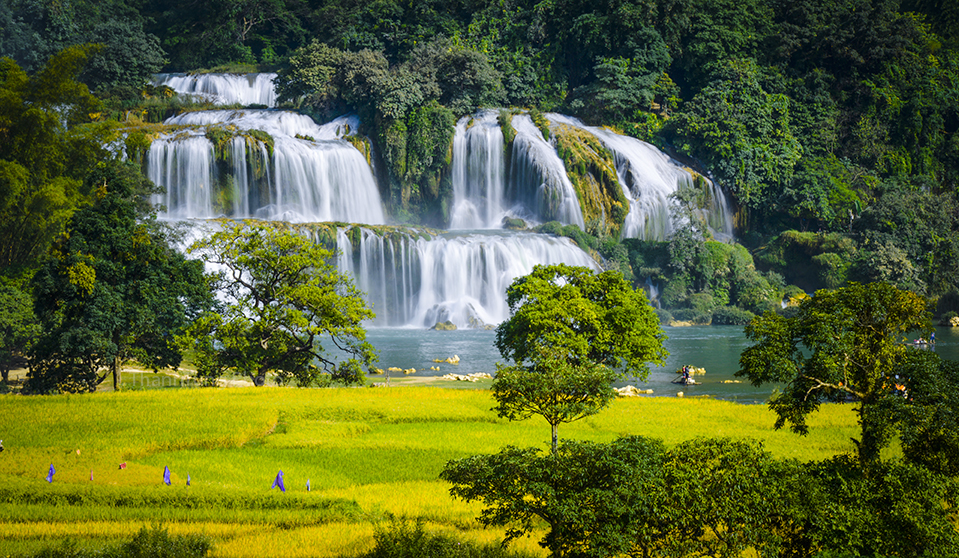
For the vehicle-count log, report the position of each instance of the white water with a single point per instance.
(314, 175)
(649, 177)
(535, 188)
(184, 168)
(223, 89)
(478, 173)
(538, 177)
(459, 278)
(326, 179)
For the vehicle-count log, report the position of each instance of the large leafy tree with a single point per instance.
(47, 147)
(113, 289)
(284, 299)
(570, 333)
(842, 344)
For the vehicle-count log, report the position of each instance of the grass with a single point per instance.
(369, 455)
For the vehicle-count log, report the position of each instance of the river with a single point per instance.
(715, 348)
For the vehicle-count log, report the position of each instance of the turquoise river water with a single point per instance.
(715, 348)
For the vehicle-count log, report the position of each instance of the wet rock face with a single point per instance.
(444, 326)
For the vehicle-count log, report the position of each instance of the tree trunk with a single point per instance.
(260, 378)
(555, 437)
(116, 373)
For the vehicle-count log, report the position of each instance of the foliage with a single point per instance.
(703, 274)
(731, 316)
(841, 344)
(721, 496)
(152, 542)
(18, 327)
(597, 499)
(926, 413)
(582, 317)
(741, 131)
(847, 508)
(403, 539)
(910, 238)
(568, 333)
(48, 146)
(112, 289)
(283, 297)
(554, 389)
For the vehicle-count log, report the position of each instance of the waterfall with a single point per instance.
(223, 89)
(536, 187)
(538, 177)
(648, 177)
(478, 173)
(416, 281)
(311, 176)
(184, 168)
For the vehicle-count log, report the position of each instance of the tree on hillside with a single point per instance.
(283, 298)
(47, 147)
(571, 332)
(840, 345)
(113, 289)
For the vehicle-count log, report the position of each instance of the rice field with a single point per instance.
(368, 454)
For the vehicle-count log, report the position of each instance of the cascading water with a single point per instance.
(223, 89)
(411, 280)
(304, 172)
(311, 176)
(536, 187)
(649, 177)
(538, 178)
(478, 173)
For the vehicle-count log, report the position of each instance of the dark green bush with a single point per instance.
(730, 315)
(691, 315)
(402, 539)
(664, 316)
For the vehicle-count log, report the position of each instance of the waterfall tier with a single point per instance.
(479, 173)
(419, 280)
(223, 89)
(648, 178)
(534, 187)
(538, 177)
(297, 172)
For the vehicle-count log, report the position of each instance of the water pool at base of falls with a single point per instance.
(715, 348)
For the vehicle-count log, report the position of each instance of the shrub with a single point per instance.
(664, 316)
(946, 319)
(691, 315)
(402, 539)
(702, 302)
(731, 315)
(154, 542)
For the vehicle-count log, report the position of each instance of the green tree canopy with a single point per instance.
(18, 327)
(569, 312)
(571, 332)
(284, 299)
(113, 289)
(48, 145)
(842, 344)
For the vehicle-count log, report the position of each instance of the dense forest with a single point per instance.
(832, 125)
